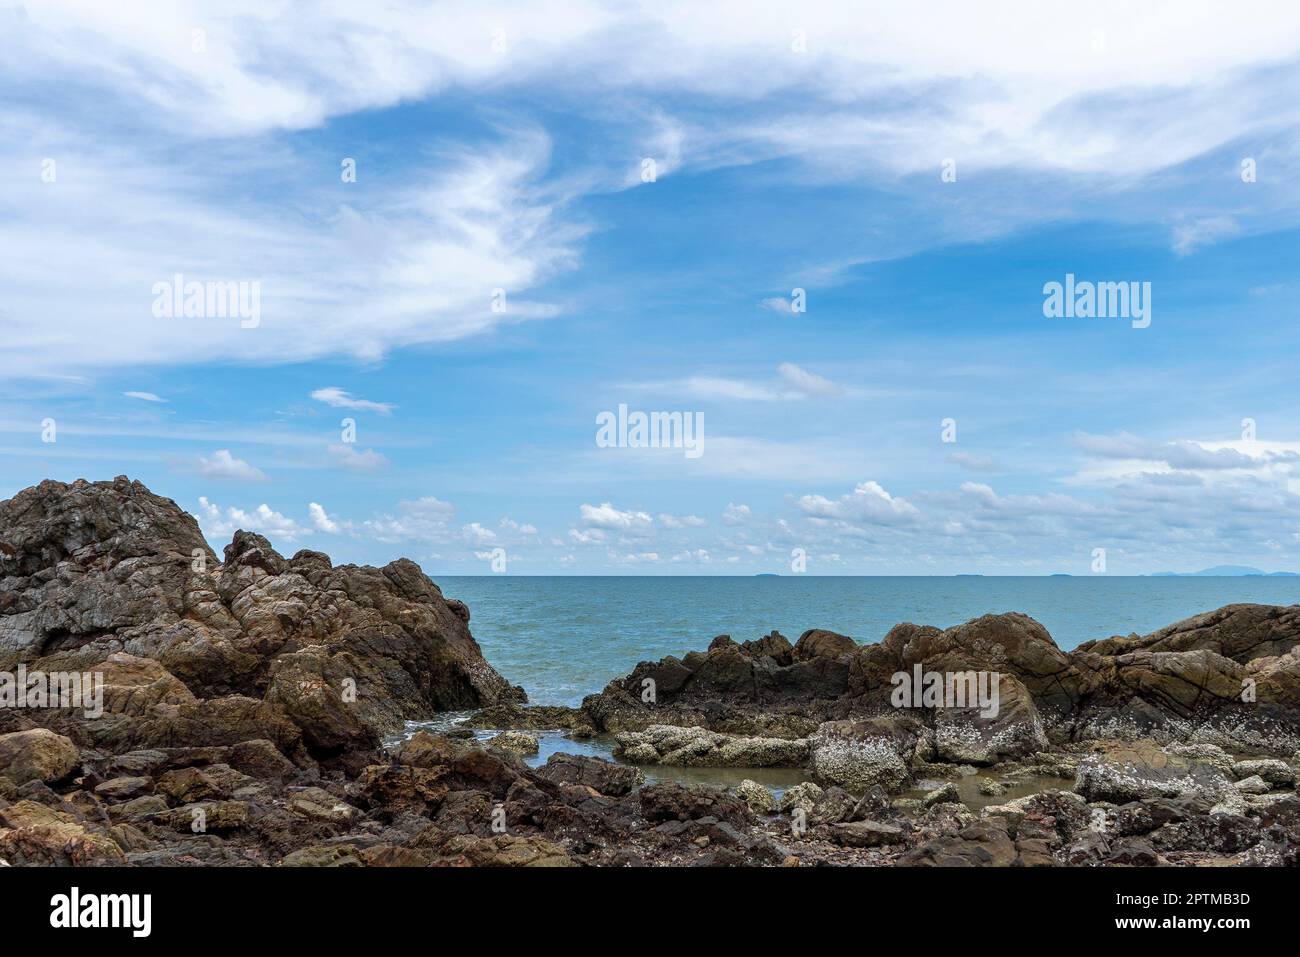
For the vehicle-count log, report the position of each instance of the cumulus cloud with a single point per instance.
(222, 465)
(476, 534)
(321, 520)
(606, 516)
(511, 525)
(868, 503)
(426, 520)
(263, 519)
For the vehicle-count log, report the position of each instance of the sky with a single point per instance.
(465, 234)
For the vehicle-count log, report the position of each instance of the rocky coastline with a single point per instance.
(242, 703)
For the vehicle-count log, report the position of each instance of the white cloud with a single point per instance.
(222, 465)
(682, 521)
(340, 399)
(974, 462)
(349, 458)
(1191, 236)
(263, 519)
(606, 516)
(735, 514)
(875, 98)
(426, 520)
(868, 503)
(144, 396)
(803, 382)
(792, 382)
(320, 519)
(416, 262)
(476, 534)
(522, 529)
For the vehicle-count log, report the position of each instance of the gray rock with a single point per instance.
(866, 834)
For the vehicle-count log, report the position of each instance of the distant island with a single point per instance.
(1224, 571)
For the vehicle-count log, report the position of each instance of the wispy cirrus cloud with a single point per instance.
(342, 399)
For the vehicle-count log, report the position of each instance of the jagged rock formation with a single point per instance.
(107, 576)
(1230, 677)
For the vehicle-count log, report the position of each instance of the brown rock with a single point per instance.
(37, 755)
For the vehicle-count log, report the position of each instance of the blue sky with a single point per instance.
(500, 148)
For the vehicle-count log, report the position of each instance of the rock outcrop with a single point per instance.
(107, 577)
(1229, 677)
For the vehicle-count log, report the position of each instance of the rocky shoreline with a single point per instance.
(243, 702)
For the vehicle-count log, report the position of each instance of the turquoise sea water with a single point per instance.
(563, 638)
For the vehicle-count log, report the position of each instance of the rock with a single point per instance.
(1275, 772)
(967, 736)
(866, 834)
(833, 806)
(858, 756)
(516, 742)
(217, 817)
(802, 796)
(985, 844)
(188, 785)
(1124, 773)
(509, 851)
(818, 643)
(102, 575)
(37, 755)
(139, 809)
(324, 855)
(669, 801)
(118, 790)
(1253, 785)
(697, 747)
(604, 777)
(944, 795)
(261, 759)
(32, 833)
(991, 787)
(319, 805)
(1132, 852)
(758, 798)
(511, 715)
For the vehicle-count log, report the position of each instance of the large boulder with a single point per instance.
(37, 755)
(1122, 773)
(858, 755)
